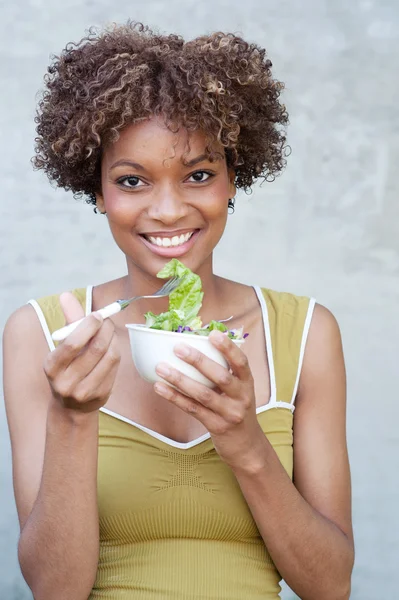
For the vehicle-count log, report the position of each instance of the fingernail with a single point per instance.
(217, 336)
(162, 389)
(182, 350)
(98, 316)
(163, 370)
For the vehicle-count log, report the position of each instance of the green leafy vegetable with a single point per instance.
(184, 302)
(184, 305)
(168, 321)
(188, 296)
(216, 325)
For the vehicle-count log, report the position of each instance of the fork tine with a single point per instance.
(171, 281)
(174, 283)
(165, 287)
(177, 281)
(169, 286)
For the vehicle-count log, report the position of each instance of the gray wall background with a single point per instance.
(328, 227)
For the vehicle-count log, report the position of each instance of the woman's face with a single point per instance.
(161, 201)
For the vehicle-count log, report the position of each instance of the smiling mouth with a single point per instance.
(169, 241)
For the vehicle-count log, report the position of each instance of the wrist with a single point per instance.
(59, 414)
(254, 462)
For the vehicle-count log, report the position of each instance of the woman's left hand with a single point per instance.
(229, 411)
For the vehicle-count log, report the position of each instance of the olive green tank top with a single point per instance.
(174, 524)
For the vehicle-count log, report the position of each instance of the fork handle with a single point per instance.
(107, 311)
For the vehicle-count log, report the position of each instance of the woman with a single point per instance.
(128, 490)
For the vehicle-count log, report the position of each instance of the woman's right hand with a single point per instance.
(82, 369)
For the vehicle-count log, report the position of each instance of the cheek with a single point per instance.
(120, 207)
(216, 206)
(216, 202)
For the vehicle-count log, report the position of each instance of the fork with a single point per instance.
(117, 306)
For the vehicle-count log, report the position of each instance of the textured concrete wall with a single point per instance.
(328, 227)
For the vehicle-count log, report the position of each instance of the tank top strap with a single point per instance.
(289, 321)
(50, 315)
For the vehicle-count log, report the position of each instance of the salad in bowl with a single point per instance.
(154, 341)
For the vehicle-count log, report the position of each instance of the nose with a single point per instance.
(167, 207)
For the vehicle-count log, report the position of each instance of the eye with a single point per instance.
(201, 176)
(130, 181)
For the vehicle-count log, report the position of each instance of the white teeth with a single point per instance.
(176, 240)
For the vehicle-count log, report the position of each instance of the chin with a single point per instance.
(150, 263)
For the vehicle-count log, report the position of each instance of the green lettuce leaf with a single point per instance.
(216, 325)
(184, 305)
(168, 321)
(187, 298)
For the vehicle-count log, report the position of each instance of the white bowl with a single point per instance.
(151, 346)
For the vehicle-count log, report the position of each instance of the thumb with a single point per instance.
(71, 307)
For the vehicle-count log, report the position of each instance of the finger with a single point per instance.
(93, 387)
(71, 307)
(236, 358)
(70, 348)
(97, 385)
(92, 353)
(209, 419)
(202, 394)
(221, 376)
(229, 409)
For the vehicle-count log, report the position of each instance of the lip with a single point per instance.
(168, 233)
(171, 251)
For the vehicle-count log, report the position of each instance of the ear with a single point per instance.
(232, 187)
(100, 203)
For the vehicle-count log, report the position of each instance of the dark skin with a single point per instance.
(306, 524)
(169, 198)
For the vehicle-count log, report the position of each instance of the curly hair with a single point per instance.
(219, 84)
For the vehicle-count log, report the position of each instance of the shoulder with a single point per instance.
(28, 320)
(313, 322)
(323, 322)
(24, 340)
(24, 350)
(324, 328)
(21, 324)
(324, 358)
(324, 336)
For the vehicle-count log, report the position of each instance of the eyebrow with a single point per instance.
(128, 163)
(195, 161)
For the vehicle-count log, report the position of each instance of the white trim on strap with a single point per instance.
(43, 323)
(155, 434)
(277, 404)
(268, 337)
(197, 441)
(89, 299)
(306, 328)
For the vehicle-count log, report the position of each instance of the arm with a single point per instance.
(54, 448)
(307, 526)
